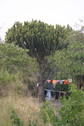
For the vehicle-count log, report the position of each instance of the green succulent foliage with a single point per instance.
(40, 38)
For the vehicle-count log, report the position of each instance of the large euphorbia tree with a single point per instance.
(41, 40)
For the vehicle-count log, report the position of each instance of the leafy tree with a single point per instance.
(70, 61)
(13, 64)
(13, 57)
(41, 40)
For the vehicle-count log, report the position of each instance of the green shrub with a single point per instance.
(48, 114)
(6, 78)
(62, 87)
(70, 114)
(19, 89)
(16, 64)
(16, 121)
(72, 110)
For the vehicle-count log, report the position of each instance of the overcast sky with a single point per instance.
(53, 12)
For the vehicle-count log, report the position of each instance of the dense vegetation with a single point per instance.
(41, 40)
(70, 114)
(16, 67)
(34, 52)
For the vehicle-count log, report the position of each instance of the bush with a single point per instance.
(48, 114)
(6, 78)
(72, 110)
(15, 64)
(62, 87)
(70, 114)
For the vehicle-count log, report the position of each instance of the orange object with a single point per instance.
(55, 81)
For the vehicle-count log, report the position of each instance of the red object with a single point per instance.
(51, 81)
(66, 82)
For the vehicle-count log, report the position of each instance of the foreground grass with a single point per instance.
(26, 109)
(16, 110)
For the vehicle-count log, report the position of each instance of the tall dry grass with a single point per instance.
(25, 107)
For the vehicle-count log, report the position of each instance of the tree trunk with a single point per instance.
(41, 84)
(41, 94)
